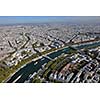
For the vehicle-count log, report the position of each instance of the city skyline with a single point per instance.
(50, 53)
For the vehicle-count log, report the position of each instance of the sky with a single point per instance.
(43, 19)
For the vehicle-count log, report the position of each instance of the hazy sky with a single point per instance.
(39, 19)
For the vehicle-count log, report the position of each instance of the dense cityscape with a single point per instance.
(50, 53)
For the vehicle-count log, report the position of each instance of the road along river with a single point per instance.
(23, 74)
